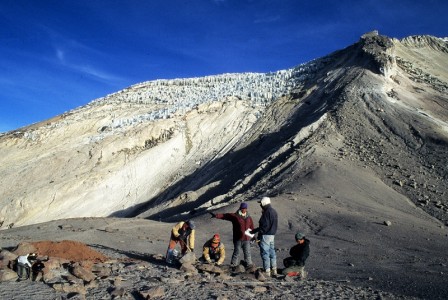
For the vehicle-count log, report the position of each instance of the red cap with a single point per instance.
(216, 238)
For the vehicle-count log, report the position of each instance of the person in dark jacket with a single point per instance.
(241, 222)
(295, 264)
(266, 235)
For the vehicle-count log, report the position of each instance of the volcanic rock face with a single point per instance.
(164, 148)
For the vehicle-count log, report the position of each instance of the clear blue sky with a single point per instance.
(56, 55)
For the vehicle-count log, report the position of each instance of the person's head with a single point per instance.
(215, 240)
(32, 256)
(190, 224)
(243, 207)
(300, 237)
(264, 202)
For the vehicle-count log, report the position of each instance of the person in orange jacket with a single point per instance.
(184, 234)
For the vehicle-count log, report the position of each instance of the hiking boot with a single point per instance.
(274, 272)
(251, 268)
(239, 269)
(267, 273)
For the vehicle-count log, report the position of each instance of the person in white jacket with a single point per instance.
(24, 265)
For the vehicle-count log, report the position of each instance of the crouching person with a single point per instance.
(24, 265)
(213, 251)
(182, 233)
(295, 264)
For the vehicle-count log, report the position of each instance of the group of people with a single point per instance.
(213, 251)
(28, 266)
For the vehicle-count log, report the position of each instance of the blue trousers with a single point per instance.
(267, 251)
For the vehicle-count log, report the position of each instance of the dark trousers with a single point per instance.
(237, 245)
(23, 271)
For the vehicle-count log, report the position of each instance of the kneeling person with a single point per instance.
(24, 265)
(295, 264)
(214, 251)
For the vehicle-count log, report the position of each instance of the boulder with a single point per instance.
(188, 257)
(7, 255)
(210, 268)
(205, 267)
(223, 277)
(118, 292)
(69, 288)
(188, 268)
(260, 289)
(54, 270)
(102, 270)
(24, 248)
(82, 273)
(260, 276)
(6, 258)
(152, 293)
(8, 275)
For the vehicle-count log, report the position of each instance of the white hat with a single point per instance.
(265, 201)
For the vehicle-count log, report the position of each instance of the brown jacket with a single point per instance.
(218, 253)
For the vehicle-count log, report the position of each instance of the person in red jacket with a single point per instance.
(241, 222)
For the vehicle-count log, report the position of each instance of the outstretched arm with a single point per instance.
(227, 216)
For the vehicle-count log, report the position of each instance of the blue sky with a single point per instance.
(56, 55)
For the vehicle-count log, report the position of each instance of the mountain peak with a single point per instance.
(422, 41)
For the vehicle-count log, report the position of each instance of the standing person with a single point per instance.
(182, 233)
(295, 264)
(214, 251)
(241, 221)
(266, 235)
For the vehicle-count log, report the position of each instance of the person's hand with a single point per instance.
(209, 261)
(213, 215)
(218, 263)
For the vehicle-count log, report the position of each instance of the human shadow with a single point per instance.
(132, 254)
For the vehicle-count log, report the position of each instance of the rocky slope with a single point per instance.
(350, 147)
(189, 144)
(135, 267)
(129, 147)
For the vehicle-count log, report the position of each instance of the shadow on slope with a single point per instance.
(345, 66)
(235, 166)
